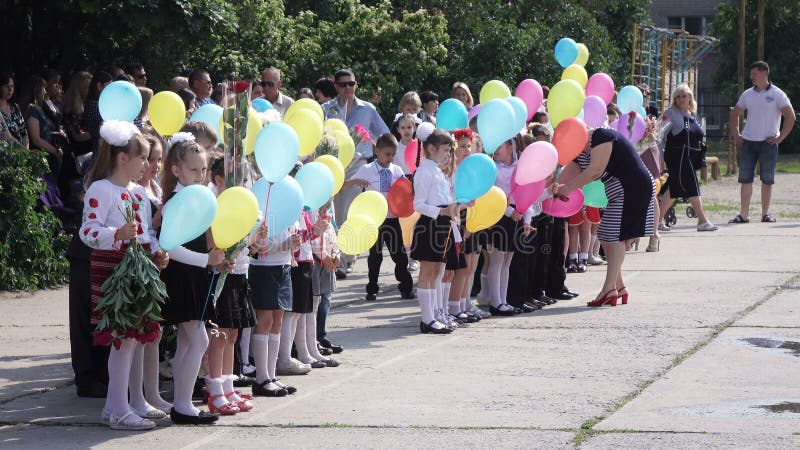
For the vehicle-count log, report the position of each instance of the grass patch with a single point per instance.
(788, 164)
(720, 207)
(587, 430)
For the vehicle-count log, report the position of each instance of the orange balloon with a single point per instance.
(570, 139)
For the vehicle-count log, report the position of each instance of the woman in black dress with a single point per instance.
(683, 155)
(629, 187)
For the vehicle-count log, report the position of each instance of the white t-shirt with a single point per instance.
(372, 173)
(763, 112)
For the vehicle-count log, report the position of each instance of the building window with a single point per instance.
(692, 25)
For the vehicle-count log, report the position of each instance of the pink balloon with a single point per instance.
(537, 162)
(637, 130)
(525, 195)
(594, 111)
(410, 155)
(473, 112)
(558, 207)
(530, 91)
(602, 86)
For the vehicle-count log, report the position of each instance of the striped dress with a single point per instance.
(629, 188)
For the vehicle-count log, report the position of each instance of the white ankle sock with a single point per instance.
(573, 256)
(425, 297)
(583, 256)
(261, 356)
(227, 387)
(214, 388)
(463, 304)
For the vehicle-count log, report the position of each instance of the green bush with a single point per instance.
(32, 248)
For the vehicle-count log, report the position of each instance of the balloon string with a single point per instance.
(264, 223)
(213, 276)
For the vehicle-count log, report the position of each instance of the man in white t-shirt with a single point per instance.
(765, 104)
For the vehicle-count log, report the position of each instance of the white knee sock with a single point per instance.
(272, 359)
(425, 297)
(189, 367)
(300, 341)
(244, 346)
(119, 370)
(288, 329)
(311, 331)
(261, 356)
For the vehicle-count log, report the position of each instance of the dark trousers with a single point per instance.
(548, 268)
(89, 362)
(391, 234)
(523, 265)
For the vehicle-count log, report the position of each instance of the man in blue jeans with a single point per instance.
(765, 104)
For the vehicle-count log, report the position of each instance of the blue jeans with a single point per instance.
(757, 151)
(322, 314)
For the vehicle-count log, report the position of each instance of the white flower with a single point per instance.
(181, 136)
(117, 132)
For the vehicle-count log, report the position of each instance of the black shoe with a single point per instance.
(340, 275)
(532, 304)
(205, 418)
(426, 328)
(328, 344)
(95, 389)
(318, 365)
(324, 351)
(371, 297)
(527, 308)
(539, 304)
(499, 312)
(410, 295)
(243, 381)
(561, 296)
(568, 292)
(260, 391)
(290, 389)
(547, 300)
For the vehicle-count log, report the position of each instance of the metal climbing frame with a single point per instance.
(663, 59)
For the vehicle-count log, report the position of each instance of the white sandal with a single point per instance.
(130, 421)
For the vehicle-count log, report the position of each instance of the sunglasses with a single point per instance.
(267, 84)
(345, 83)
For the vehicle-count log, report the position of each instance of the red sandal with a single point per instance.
(624, 296)
(228, 409)
(610, 298)
(244, 405)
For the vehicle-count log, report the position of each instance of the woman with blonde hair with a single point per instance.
(461, 92)
(684, 154)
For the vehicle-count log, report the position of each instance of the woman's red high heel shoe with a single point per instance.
(610, 298)
(623, 297)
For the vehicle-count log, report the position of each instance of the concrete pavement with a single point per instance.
(705, 355)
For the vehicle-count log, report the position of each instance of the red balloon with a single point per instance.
(570, 139)
(410, 156)
(401, 198)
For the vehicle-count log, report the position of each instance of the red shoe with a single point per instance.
(228, 409)
(610, 298)
(624, 296)
(244, 405)
(243, 396)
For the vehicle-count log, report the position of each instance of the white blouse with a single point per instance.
(431, 189)
(103, 207)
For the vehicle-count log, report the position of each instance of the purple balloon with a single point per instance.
(637, 130)
(473, 112)
(594, 111)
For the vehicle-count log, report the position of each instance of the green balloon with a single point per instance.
(594, 194)
(565, 100)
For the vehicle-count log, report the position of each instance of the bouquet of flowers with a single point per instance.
(131, 306)
(327, 145)
(360, 135)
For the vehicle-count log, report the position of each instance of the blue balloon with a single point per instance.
(496, 124)
(187, 215)
(120, 100)
(641, 111)
(317, 182)
(277, 149)
(520, 112)
(629, 99)
(262, 104)
(474, 177)
(285, 202)
(566, 52)
(210, 114)
(452, 115)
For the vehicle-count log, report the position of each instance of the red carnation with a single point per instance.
(93, 216)
(138, 197)
(102, 338)
(125, 196)
(135, 206)
(93, 203)
(94, 235)
(241, 86)
(131, 334)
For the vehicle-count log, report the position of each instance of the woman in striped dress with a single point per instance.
(629, 188)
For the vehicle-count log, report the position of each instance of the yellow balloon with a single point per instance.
(357, 234)
(304, 103)
(371, 204)
(237, 213)
(337, 169)
(347, 148)
(488, 209)
(332, 125)
(167, 113)
(308, 127)
(253, 128)
(577, 73)
(583, 55)
(494, 89)
(407, 225)
(565, 100)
